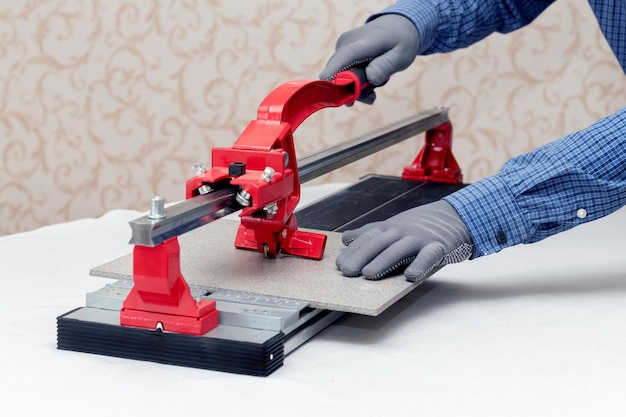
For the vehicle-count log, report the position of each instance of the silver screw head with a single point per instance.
(199, 168)
(243, 198)
(268, 174)
(157, 208)
(271, 209)
(204, 189)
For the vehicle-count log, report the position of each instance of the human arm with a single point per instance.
(391, 39)
(576, 179)
(447, 25)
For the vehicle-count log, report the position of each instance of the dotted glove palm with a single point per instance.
(387, 44)
(426, 238)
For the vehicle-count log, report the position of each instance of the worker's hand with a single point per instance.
(425, 238)
(386, 45)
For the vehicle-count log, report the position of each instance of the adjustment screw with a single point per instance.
(204, 189)
(271, 209)
(268, 174)
(199, 168)
(243, 198)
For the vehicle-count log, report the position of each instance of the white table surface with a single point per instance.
(536, 330)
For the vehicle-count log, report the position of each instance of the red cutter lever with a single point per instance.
(262, 162)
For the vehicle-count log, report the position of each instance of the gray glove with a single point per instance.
(427, 237)
(387, 44)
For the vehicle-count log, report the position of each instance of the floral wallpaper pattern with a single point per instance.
(105, 103)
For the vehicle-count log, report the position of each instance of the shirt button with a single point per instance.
(581, 213)
(501, 237)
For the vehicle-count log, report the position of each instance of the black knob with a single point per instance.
(235, 169)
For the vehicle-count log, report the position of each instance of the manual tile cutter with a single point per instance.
(152, 313)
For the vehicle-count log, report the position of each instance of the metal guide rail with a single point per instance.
(204, 208)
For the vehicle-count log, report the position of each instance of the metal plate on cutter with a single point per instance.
(209, 259)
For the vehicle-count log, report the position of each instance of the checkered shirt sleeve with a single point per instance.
(576, 179)
(444, 26)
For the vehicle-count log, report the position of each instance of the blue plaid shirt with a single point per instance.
(576, 179)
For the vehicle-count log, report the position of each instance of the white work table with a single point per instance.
(536, 330)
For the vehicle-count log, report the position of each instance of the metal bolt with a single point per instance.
(268, 174)
(271, 209)
(157, 208)
(205, 189)
(199, 168)
(243, 198)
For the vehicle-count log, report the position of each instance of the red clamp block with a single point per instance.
(160, 298)
(435, 162)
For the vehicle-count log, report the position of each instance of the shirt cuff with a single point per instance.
(423, 14)
(491, 214)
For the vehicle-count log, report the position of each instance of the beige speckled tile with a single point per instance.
(209, 259)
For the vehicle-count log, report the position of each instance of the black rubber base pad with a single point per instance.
(170, 348)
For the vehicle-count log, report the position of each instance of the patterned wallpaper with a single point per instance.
(105, 103)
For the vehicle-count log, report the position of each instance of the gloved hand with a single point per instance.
(427, 237)
(387, 44)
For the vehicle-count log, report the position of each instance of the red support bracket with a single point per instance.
(435, 161)
(160, 298)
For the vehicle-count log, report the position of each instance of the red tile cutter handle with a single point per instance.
(262, 164)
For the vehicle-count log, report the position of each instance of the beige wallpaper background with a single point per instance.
(105, 103)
